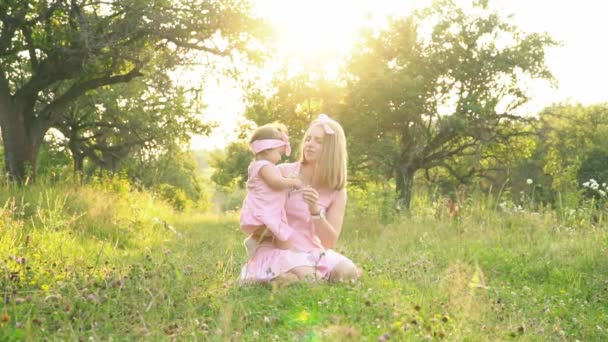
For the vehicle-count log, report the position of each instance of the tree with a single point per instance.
(231, 164)
(150, 114)
(173, 168)
(417, 102)
(52, 52)
(570, 136)
(293, 101)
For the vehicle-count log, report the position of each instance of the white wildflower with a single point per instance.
(529, 181)
(602, 193)
(586, 184)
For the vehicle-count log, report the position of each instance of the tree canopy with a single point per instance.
(53, 52)
(438, 89)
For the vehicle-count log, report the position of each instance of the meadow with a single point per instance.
(108, 262)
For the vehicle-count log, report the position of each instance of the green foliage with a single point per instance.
(372, 200)
(294, 101)
(445, 99)
(230, 165)
(568, 135)
(54, 161)
(436, 90)
(95, 264)
(175, 196)
(173, 167)
(114, 123)
(229, 198)
(53, 53)
(595, 166)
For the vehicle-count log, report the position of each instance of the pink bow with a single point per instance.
(323, 120)
(265, 144)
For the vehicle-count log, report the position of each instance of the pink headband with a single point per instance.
(265, 144)
(323, 120)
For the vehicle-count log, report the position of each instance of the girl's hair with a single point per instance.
(273, 130)
(330, 171)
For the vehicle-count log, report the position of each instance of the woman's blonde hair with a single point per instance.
(331, 168)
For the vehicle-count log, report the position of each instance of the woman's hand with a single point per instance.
(311, 198)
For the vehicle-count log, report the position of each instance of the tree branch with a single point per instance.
(49, 113)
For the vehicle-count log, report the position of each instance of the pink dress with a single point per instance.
(269, 261)
(264, 206)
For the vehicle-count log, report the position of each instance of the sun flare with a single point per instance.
(320, 32)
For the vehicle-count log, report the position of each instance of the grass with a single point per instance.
(90, 263)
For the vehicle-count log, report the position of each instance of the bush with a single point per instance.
(594, 167)
(177, 197)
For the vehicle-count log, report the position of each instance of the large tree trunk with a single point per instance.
(21, 144)
(405, 184)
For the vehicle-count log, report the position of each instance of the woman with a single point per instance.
(315, 213)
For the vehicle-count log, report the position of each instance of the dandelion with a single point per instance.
(529, 181)
(303, 316)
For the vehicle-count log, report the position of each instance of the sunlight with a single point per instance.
(310, 35)
(319, 33)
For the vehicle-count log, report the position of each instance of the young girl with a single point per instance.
(264, 205)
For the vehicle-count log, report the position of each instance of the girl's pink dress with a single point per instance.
(269, 261)
(264, 206)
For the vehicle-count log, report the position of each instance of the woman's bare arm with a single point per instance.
(328, 229)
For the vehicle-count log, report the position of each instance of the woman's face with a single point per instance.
(313, 143)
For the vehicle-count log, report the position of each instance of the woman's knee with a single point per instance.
(345, 270)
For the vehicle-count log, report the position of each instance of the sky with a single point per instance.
(321, 30)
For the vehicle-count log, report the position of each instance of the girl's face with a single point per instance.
(313, 143)
(273, 155)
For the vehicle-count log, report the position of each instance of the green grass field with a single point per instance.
(92, 264)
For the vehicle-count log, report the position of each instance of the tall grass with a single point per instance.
(106, 262)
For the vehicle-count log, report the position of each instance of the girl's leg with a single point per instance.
(251, 245)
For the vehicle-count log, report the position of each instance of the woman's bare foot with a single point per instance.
(284, 280)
